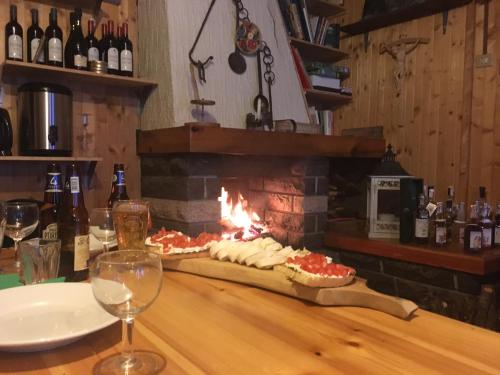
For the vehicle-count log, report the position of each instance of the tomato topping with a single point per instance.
(319, 264)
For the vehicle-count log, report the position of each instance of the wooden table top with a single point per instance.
(203, 325)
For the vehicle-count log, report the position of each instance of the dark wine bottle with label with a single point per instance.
(53, 41)
(35, 34)
(92, 43)
(13, 37)
(111, 54)
(126, 54)
(76, 50)
(102, 42)
(118, 186)
(74, 226)
(49, 213)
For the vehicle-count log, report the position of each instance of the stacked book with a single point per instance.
(302, 25)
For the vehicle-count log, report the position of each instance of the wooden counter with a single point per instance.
(203, 325)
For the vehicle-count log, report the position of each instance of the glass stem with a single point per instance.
(16, 254)
(105, 248)
(127, 350)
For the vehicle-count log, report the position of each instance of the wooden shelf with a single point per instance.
(408, 13)
(324, 8)
(14, 72)
(50, 158)
(92, 6)
(214, 140)
(452, 257)
(315, 52)
(322, 99)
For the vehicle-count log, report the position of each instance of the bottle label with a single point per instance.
(119, 178)
(80, 61)
(55, 50)
(421, 228)
(50, 232)
(497, 236)
(93, 54)
(15, 47)
(487, 237)
(54, 185)
(81, 252)
(112, 58)
(126, 60)
(74, 183)
(441, 235)
(475, 240)
(461, 232)
(35, 42)
(431, 207)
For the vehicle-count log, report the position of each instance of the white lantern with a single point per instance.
(383, 208)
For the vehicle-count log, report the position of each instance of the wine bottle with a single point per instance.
(126, 53)
(74, 226)
(118, 186)
(111, 55)
(76, 50)
(92, 43)
(35, 34)
(440, 230)
(497, 226)
(49, 213)
(422, 222)
(473, 233)
(54, 38)
(459, 225)
(102, 42)
(13, 37)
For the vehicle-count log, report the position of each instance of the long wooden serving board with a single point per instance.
(354, 294)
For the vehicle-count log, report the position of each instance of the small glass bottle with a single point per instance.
(487, 226)
(459, 225)
(440, 227)
(449, 213)
(473, 234)
(497, 226)
(422, 222)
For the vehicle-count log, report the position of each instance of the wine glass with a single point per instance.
(125, 283)
(102, 227)
(21, 221)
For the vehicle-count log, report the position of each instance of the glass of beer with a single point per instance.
(131, 223)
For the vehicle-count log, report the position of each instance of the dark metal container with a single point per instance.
(45, 113)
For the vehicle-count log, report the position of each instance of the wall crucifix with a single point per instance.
(398, 50)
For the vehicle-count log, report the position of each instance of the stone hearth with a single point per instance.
(289, 193)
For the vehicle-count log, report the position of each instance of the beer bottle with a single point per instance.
(74, 226)
(49, 213)
(118, 186)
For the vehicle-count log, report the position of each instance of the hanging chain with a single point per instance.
(268, 61)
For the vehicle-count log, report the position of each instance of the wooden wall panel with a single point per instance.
(113, 114)
(443, 99)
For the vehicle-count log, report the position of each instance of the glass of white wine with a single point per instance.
(125, 283)
(102, 227)
(21, 221)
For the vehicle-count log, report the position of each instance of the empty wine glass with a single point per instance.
(21, 221)
(102, 227)
(125, 283)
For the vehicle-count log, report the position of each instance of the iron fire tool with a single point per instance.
(236, 61)
(201, 65)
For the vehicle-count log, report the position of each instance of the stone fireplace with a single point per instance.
(288, 193)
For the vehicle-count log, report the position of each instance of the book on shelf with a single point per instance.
(325, 83)
(301, 71)
(322, 119)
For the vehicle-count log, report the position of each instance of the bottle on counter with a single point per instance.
(13, 37)
(76, 50)
(497, 226)
(473, 233)
(111, 54)
(440, 228)
(488, 227)
(49, 213)
(54, 41)
(92, 43)
(422, 222)
(103, 41)
(118, 186)
(459, 225)
(126, 53)
(35, 34)
(74, 226)
(431, 207)
(449, 213)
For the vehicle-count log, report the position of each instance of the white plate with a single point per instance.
(45, 316)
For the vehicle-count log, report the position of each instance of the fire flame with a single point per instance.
(242, 222)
